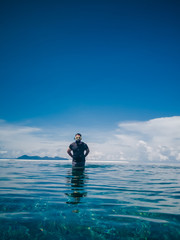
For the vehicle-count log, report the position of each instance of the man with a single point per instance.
(80, 151)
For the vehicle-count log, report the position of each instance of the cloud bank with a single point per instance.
(152, 141)
(156, 140)
(16, 140)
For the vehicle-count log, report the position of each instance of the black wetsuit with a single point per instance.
(78, 149)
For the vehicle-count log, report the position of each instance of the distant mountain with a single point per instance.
(41, 158)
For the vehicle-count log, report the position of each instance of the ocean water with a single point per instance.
(49, 200)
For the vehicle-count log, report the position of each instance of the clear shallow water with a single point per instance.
(49, 200)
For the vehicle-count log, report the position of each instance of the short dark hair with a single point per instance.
(78, 134)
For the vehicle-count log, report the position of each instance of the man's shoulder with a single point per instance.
(72, 144)
(81, 143)
(84, 144)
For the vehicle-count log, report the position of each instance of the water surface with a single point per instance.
(49, 200)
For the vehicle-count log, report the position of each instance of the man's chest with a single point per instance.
(77, 147)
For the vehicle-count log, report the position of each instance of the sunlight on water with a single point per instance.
(50, 200)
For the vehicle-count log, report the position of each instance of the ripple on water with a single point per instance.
(49, 200)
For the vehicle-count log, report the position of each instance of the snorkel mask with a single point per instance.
(78, 137)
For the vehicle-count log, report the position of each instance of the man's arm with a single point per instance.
(69, 152)
(87, 152)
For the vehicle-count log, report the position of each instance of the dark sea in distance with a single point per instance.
(48, 200)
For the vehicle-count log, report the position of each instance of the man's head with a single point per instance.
(78, 137)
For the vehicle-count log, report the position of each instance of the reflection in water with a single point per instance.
(76, 177)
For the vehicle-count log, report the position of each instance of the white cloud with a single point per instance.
(153, 140)
(156, 140)
(16, 140)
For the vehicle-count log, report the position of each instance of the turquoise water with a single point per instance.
(48, 200)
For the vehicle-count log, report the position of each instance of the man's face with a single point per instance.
(78, 138)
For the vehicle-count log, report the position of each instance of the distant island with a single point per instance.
(41, 158)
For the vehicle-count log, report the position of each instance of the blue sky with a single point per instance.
(89, 63)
